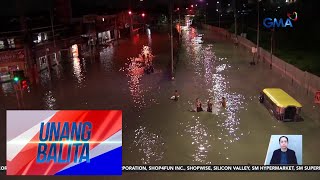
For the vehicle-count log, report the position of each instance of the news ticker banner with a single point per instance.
(64, 142)
(221, 168)
(216, 168)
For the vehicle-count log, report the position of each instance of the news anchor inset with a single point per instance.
(284, 155)
(284, 150)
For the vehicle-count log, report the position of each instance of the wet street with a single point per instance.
(157, 130)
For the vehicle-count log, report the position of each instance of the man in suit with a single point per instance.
(284, 156)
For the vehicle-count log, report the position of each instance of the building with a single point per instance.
(36, 42)
(33, 42)
(100, 29)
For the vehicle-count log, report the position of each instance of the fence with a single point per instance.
(306, 82)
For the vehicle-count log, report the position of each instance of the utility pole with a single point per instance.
(52, 29)
(116, 28)
(235, 21)
(131, 23)
(258, 31)
(235, 24)
(218, 10)
(48, 62)
(205, 15)
(29, 55)
(171, 38)
(219, 19)
(179, 28)
(271, 50)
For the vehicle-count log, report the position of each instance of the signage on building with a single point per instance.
(317, 97)
(12, 56)
(3, 70)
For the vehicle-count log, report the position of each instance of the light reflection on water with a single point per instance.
(78, 72)
(200, 139)
(209, 59)
(137, 91)
(106, 57)
(149, 144)
(135, 71)
(50, 101)
(44, 78)
(229, 121)
(210, 68)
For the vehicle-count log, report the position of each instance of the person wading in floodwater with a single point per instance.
(209, 105)
(198, 105)
(223, 102)
(175, 96)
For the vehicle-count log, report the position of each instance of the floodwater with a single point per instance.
(159, 131)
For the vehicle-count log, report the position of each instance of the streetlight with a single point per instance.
(143, 15)
(178, 9)
(171, 37)
(205, 15)
(218, 10)
(131, 23)
(258, 30)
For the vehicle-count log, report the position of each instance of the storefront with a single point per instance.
(11, 61)
(46, 57)
(105, 37)
(42, 63)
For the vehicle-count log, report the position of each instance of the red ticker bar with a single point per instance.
(220, 168)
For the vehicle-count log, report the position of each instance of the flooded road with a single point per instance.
(157, 130)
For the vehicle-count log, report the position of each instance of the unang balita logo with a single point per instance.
(281, 22)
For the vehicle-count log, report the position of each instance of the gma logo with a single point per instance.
(272, 23)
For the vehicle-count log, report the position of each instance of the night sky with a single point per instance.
(10, 8)
(38, 11)
(81, 7)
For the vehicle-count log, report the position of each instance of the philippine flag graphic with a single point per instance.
(64, 142)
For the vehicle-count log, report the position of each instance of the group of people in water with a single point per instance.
(147, 59)
(198, 103)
